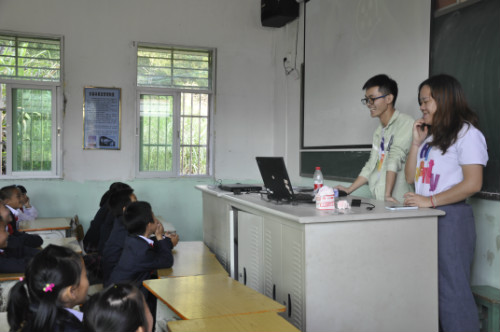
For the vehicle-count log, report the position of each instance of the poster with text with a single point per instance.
(101, 118)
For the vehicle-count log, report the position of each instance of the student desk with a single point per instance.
(11, 276)
(212, 295)
(263, 322)
(168, 226)
(68, 242)
(192, 258)
(351, 270)
(47, 227)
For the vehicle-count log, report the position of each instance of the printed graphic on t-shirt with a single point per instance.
(382, 152)
(425, 169)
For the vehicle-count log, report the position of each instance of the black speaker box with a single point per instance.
(277, 13)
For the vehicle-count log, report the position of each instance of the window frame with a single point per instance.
(176, 93)
(57, 110)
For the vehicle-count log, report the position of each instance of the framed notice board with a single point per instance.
(101, 118)
(465, 43)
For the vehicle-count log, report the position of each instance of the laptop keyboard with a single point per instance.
(303, 197)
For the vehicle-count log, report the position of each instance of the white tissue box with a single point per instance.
(325, 202)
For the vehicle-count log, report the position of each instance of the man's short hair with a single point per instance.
(386, 85)
(137, 216)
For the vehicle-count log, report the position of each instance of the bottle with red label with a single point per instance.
(318, 179)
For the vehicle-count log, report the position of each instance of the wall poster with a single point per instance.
(101, 118)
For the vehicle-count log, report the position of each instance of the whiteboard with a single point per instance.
(346, 43)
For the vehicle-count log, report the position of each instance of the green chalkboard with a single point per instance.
(335, 165)
(465, 43)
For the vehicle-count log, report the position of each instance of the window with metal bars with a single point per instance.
(30, 86)
(175, 97)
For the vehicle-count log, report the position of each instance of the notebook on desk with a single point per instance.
(277, 182)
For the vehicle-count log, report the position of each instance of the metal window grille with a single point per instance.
(174, 68)
(156, 119)
(32, 130)
(30, 58)
(186, 76)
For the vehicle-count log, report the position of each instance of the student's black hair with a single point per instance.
(386, 85)
(34, 307)
(118, 200)
(7, 191)
(118, 308)
(22, 188)
(137, 216)
(115, 186)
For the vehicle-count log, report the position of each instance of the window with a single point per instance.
(175, 98)
(30, 88)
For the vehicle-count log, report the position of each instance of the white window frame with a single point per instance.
(57, 107)
(176, 93)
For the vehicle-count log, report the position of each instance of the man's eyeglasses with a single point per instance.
(370, 100)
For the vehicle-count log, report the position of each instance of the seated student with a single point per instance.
(27, 210)
(118, 308)
(55, 282)
(93, 234)
(141, 255)
(11, 197)
(118, 201)
(15, 259)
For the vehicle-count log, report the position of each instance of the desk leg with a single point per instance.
(163, 315)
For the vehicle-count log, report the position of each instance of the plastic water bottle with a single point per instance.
(318, 179)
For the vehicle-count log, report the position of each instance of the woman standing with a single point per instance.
(446, 163)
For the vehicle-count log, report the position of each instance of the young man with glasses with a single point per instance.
(384, 171)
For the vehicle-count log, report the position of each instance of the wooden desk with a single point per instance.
(192, 258)
(11, 276)
(168, 226)
(263, 322)
(46, 227)
(68, 242)
(209, 296)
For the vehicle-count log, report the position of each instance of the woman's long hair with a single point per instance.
(34, 302)
(452, 110)
(118, 308)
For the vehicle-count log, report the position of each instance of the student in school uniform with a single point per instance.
(384, 170)
(118, 201)
(56, 281)
(27, 210)
(118, 308)
(93, 234)
(142, 255)
(11, 196)
(14, 259)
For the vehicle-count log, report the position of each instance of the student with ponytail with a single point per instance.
(55, 282)
(118, 308)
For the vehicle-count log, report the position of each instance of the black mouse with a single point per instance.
(342, 193)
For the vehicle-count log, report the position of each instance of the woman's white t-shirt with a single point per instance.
(436, 172)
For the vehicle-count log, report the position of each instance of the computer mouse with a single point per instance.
(342, 193)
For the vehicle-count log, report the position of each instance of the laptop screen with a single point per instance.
(275, 178)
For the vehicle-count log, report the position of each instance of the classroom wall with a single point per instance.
(99, 51)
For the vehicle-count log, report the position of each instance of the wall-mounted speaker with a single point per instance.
(277, 13)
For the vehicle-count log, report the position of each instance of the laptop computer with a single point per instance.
(277, 182)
